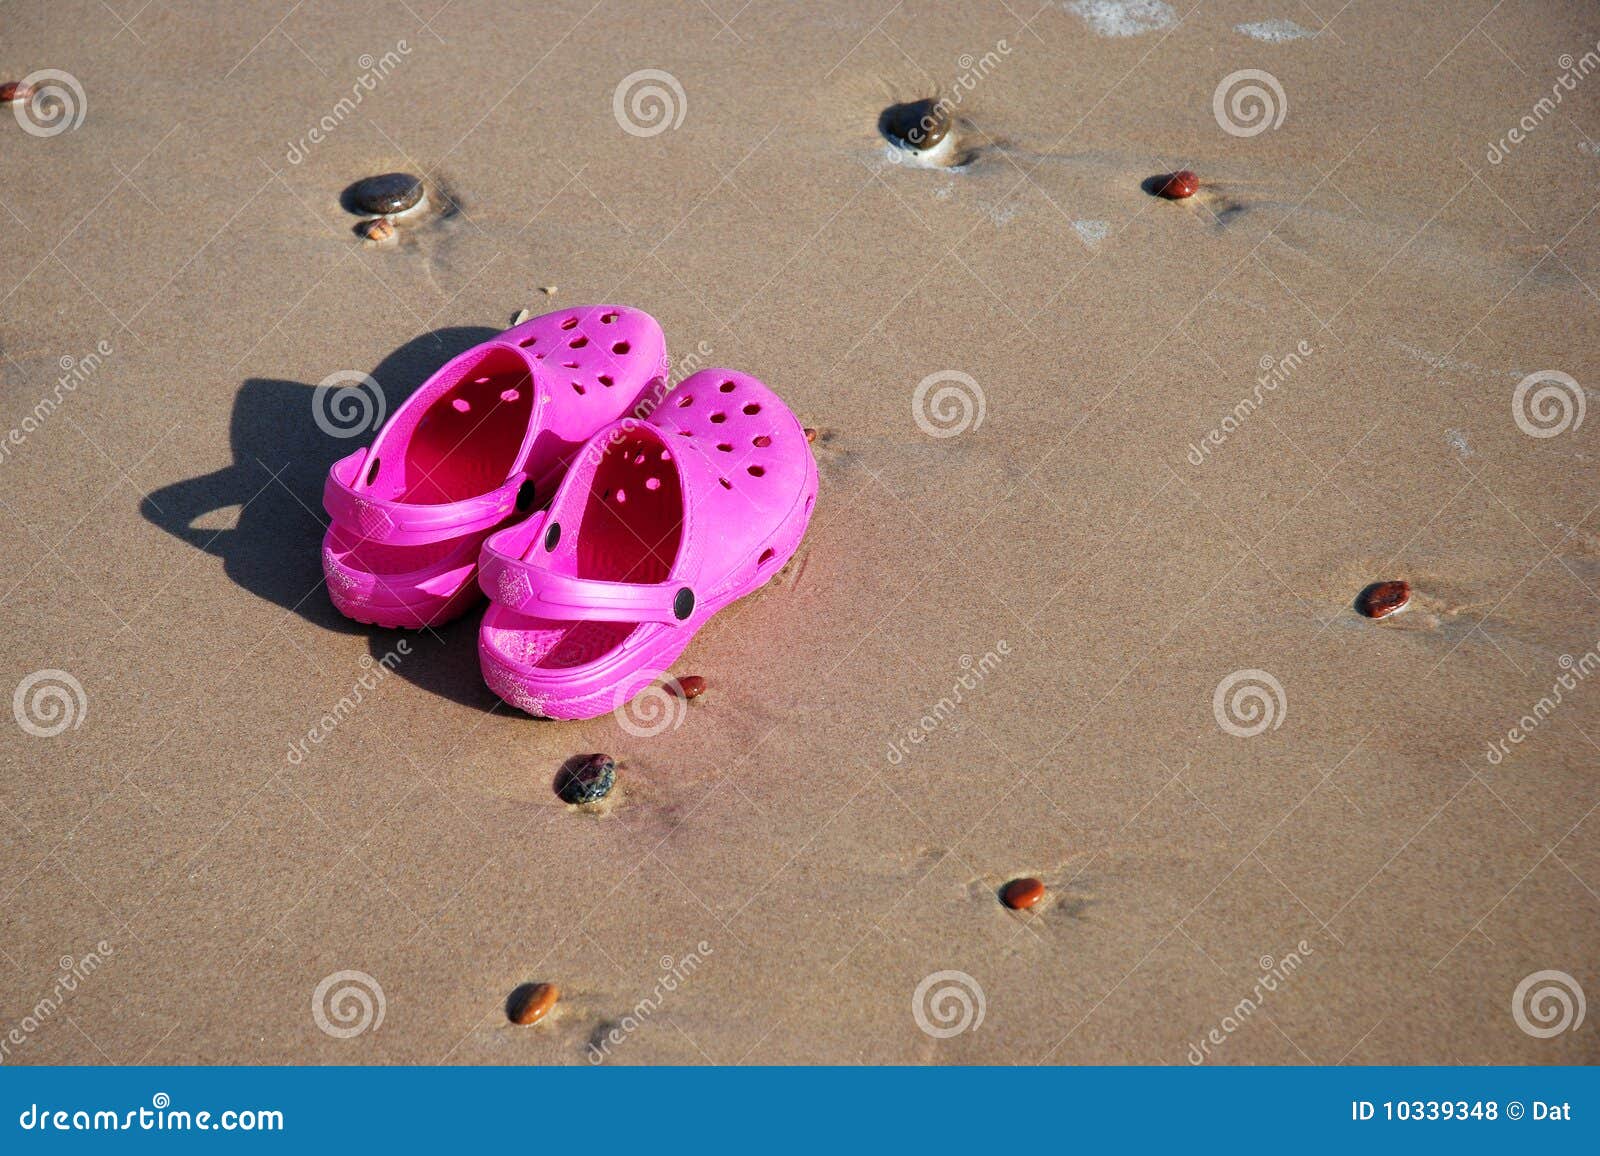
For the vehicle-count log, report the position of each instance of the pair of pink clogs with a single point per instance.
(605, 516)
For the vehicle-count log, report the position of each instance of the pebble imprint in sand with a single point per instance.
(917, 124)
(531, 1002)
(1382, 599)
(589, 780)
(691, 686)
(14, 90)
(1179, 185)
(1021, 894)
(385, 195)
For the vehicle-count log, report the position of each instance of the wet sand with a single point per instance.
(1103, 475)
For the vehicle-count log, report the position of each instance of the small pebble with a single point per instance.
(1179, 185)
(1021, 894)
(548, 290)
(531, 1002)
(386, 195)
(691, 686)
(14, 90)
(522, 315)
(811, 434)
(379, 230)
(917, 124)
(1382, 599)
(589, 781)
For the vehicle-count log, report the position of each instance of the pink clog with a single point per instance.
(486, 437)
(658, 525)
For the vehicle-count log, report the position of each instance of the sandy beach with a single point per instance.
(1103, 475)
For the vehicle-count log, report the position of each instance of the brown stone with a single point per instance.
(1020, 894)
(691, 686)
(1382, 599)
(1179, 185)
(531, 1002)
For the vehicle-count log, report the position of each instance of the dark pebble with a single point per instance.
(1382, 599)
(1179, 185)
(531, 1002)
(1021, 894)
(382, 196)
(917, 124)
(589, 780)
(691, 686)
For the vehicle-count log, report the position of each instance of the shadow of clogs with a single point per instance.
(281, 457)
